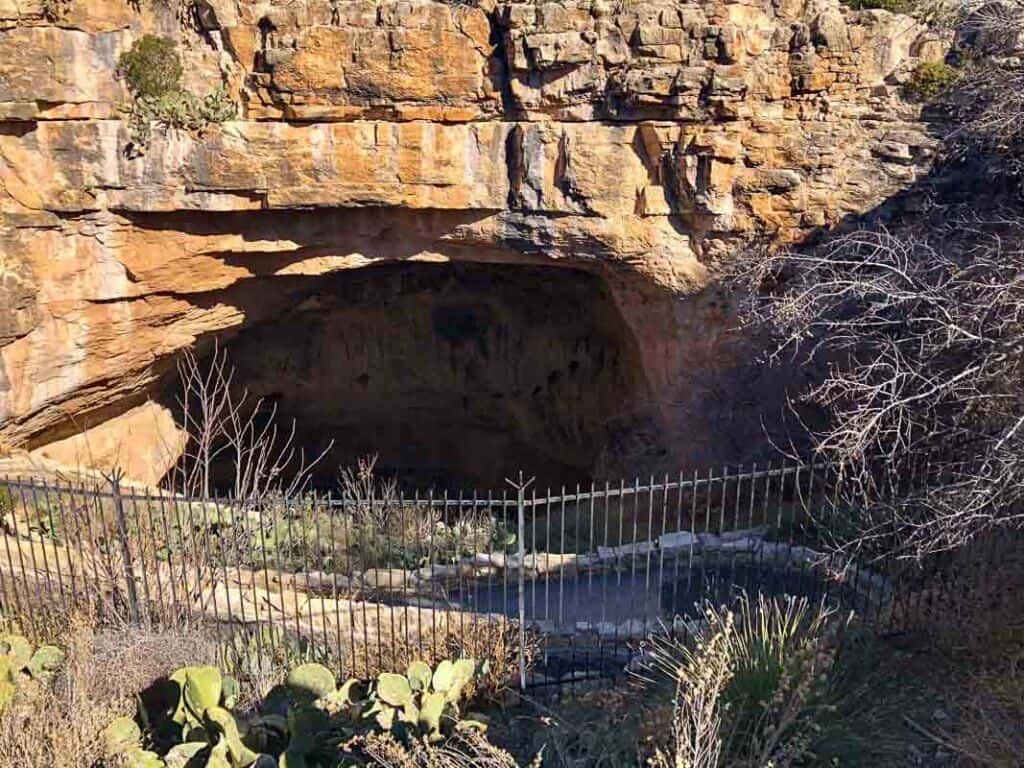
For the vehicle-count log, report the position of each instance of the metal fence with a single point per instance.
(568, 581)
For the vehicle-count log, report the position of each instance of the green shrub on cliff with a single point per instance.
(931, 78)
(153, 71)
(152, 67)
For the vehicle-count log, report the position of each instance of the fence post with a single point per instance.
(126, 552)
(521, 487)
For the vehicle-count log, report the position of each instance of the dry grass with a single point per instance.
(467, 750)
(128, 661)
(985, 637)
(28, 736)
(59, 724)
(497, 643)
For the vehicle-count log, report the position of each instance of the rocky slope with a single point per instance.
(637, 142)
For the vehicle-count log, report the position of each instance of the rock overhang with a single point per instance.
(641, 145)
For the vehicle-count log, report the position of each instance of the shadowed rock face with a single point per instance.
(637, 145)
(454, 373)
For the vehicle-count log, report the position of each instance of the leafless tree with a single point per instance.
(987, 101)
(920, 336)
(916, 333)
(224, 423)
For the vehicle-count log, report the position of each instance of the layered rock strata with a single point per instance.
(641, 143)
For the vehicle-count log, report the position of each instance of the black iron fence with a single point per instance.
(568, 580)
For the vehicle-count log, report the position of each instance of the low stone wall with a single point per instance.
(672, 553)
(404, 601)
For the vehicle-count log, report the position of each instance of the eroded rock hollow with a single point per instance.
(467, 237)
(452, 373)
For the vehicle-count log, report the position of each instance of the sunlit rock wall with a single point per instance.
(641, 143)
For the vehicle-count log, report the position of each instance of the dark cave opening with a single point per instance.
(456, 375)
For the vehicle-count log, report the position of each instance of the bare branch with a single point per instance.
(225, 425)
(921, 337)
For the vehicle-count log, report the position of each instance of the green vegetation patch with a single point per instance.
(893, 6)
(931, 79)
(153, 71)
(152, 67)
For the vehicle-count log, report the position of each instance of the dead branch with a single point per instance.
(921, 337)
(225, 424)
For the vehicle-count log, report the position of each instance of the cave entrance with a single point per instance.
(456, 375)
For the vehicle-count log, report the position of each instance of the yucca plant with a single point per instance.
(752, 683)
(782, 652)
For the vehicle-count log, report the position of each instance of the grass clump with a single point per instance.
(153, 71)
(931, 79)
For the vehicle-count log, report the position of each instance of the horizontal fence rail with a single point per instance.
(569, 582)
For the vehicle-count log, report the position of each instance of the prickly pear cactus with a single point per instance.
(200, 689)
(122, 734)
(419, 674)
(394, 689)
(422, 701)
(19, 664)
(123, 739)
(45, 661)
(311, 680)
(228, 692)
(315, 716)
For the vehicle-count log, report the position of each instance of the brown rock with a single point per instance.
(632, 145)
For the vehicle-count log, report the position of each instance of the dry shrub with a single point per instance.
(59, 724)
(466, 750)
(497, 643)
(492, 640)
(918, 332)
(129, 660)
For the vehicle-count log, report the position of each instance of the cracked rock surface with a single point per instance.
(640, 143)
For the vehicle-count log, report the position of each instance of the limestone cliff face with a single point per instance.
(638, 142)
